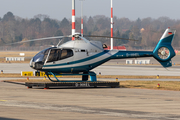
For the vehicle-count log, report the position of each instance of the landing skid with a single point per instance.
(84, 76)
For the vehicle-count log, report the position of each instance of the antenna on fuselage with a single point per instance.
(58, 43)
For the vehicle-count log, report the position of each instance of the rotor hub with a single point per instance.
(163, 52)
(76, 35)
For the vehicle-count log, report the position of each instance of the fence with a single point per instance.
(14, 58)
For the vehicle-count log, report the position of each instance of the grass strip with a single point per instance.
(164, 85)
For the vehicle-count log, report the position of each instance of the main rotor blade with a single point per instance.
(110, 37)
(39, 39)
(87, 41)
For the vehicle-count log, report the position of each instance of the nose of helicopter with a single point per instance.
(37, 65)
(38, 60)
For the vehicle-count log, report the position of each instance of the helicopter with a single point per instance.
(80, 56)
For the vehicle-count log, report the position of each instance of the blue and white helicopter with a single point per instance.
(79, 56)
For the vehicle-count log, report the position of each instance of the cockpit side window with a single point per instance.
(66, 53)
(58, 54)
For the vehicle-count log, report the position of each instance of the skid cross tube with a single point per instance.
(84, 76)
(51, 73)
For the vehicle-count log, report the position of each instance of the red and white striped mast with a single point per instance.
(82, 17)
(73, 18)
(112, 24)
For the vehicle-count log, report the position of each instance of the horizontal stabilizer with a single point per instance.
(166, 63)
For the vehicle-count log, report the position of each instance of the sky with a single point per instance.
(58, 9)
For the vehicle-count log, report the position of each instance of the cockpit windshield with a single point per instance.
(41, 56)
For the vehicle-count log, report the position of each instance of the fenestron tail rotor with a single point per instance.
(163, 53)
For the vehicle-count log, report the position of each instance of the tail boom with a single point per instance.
(132, 54)
(163, 52)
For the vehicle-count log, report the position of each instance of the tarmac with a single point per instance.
(19, 103)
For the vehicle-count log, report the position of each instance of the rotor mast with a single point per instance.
(73, 18)
(112, 24)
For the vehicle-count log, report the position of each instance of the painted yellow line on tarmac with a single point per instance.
(3, 100)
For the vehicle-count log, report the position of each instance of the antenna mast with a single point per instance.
(112, 24)
(73, 18)
(81, 17)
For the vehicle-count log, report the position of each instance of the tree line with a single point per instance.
(147, 30)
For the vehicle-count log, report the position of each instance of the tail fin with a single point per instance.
(163, 52)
